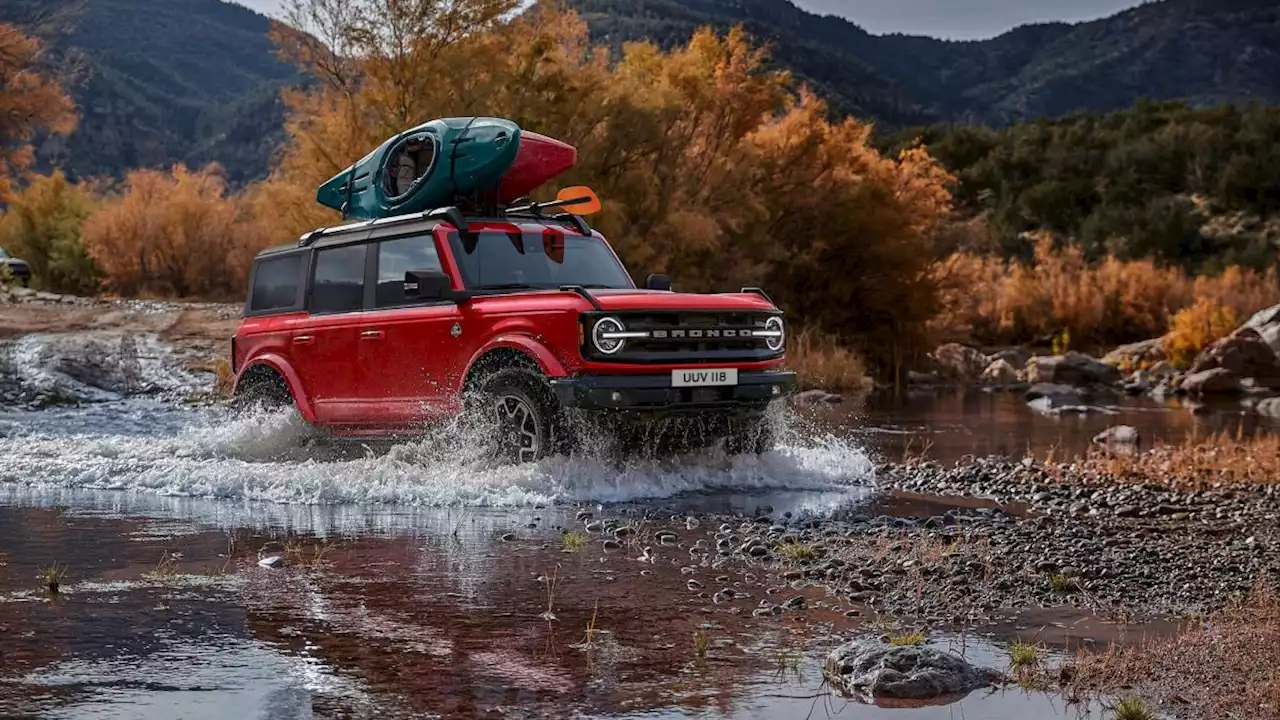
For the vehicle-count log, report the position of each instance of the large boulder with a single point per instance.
(872, 669)
(1270, 406)
(1214, 381)
(1267, 324)
(1072, 368)
(1136, 354)
(1000, 373)
(959, 362)
(1244, 354)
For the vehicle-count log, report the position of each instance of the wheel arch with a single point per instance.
(512, 350)
(265, 366)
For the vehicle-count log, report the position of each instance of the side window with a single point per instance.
(275, 283)
(395, 258)
(338, 285)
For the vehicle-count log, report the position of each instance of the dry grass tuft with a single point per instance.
(909, 638)
(824, 363)
(1198, 463)
(988, 301)
(796, 551)
(1222, 666)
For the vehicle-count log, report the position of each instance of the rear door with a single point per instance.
(408, 347)
(328, 347)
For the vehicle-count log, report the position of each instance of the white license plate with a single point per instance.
(704, 378)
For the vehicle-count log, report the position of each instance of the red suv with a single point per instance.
(377, 327)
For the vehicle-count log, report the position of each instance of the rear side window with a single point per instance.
(395, 258)
(275, 284)
(338, 284)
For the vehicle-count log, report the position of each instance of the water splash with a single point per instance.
(272, 456)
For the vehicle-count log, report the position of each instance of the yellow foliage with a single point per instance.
(1195, 328)
(43, 224)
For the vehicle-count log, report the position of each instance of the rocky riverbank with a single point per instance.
(1007, 536)
(1244, 366)
(62, 349)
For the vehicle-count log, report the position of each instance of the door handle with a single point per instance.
(372, 335)
(302, 339)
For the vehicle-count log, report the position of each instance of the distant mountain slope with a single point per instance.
(1201, 51)
(163, 81)
(197, 80)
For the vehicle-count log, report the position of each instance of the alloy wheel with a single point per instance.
(520, 433)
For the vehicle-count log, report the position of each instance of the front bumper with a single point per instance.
(653, 394)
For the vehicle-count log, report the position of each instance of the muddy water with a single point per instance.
(423, 582)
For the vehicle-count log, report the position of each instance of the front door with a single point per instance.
(327, 346)
(410, 346)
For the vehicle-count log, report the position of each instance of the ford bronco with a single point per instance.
(376, 327)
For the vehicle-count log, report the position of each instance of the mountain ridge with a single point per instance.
(198, 80)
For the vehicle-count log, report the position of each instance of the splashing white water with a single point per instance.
(266, 456)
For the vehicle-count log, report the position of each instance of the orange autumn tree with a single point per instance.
(712, 167)
(31, 102)
(173, 234)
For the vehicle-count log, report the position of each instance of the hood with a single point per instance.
(618, 300)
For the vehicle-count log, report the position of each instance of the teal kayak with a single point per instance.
(425, 167)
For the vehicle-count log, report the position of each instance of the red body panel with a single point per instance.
(383, 371)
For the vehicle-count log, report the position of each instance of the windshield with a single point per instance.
(498, 261)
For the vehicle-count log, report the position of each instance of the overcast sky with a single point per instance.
(952, 19)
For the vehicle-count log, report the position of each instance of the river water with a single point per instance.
(424, 583)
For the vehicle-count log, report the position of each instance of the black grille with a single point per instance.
(688, 336)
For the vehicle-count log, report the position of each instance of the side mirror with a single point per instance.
(429, 286)
(657, 282)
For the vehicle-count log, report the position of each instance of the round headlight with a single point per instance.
(775, 341)
(604, 335)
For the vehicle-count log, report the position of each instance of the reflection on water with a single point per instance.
(412, 622)
(423, 584)
(950, 425)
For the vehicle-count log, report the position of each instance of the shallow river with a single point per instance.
(422, 583)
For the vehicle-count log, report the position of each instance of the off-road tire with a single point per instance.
(266, 391)
(529, 423)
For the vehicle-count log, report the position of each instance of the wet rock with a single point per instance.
(1135, 354)
(1243, 354)
(611, 545)
(1118, 435)
(1270, 406)
(871, 669)
(1000, 372)
(694, 585)
(1072, 368)
(1058, 399)
(691, 523)
(1215, 381)
(1267, 324)
(959, 362)
(508, 537)
(816, 397)
(272, 561)
(922, 379)
(666, 537)
(595, 526)
(794, 603)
